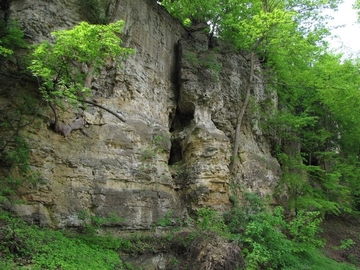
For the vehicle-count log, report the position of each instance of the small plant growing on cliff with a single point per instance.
(11, 37)
(211, 221)
(65, 68)
(166, 220)
(207, 62)
(91, 223)
(161, 142)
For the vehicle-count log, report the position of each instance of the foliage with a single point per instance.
(311, 188)
(357, 6)
(15, 116)
(211, 221)
(204, 62)
(22, 244)
(15, 162)
(345, 244)
(166, 220)
(323, 172)
(315, 259)
(59, 65)
(92, 223)
(14, 149)
(265, 239)
(190, 11)
(13, 50)
(269, 240)
(11, 37)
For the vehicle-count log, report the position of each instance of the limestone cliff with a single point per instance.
(180, 94)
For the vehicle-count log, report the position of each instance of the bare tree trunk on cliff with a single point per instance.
(241, 114)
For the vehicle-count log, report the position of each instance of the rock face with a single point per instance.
(180, 95)
(212, 81)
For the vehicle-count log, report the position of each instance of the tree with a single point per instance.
(196, 10)
(338, 90)
(274, 28)
(65, 68)
(318, 113)
(318, 95)
(259, 29)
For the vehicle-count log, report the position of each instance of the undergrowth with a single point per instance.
(267, 240)
(29, 247)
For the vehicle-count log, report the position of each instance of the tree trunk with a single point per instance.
(55, 124)
(241, 114)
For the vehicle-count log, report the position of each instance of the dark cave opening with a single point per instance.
(181, 120)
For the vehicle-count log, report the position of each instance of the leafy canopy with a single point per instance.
(59, 65)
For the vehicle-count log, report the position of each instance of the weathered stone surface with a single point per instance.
(161, 261)
(214, 252)
(212, 86)
(118, 168)
(40, 18)
(180, 100)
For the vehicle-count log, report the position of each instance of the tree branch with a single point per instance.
(104, 108)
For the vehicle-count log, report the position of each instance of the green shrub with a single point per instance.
(209, 220)
(266, 245)
(166, 220)
(269, 240)
(91, 223)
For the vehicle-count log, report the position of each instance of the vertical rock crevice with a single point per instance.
(199, 149)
